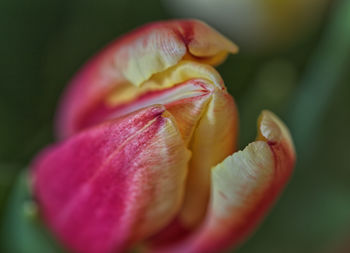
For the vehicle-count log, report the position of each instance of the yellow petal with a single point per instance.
(181, 72)
(214, 139)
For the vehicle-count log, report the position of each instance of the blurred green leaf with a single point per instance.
(325, 70)
(22, 231)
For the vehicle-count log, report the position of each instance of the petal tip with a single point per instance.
(215, 43)
(271, 127)
(229, 45)
(273, 130)
(268, 127)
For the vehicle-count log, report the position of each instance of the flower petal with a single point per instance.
(133, 59)
(244, 186)
(214, 139)
(114, 184)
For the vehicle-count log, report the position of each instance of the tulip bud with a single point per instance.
(148, 152)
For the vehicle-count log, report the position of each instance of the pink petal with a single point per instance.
(115, 184)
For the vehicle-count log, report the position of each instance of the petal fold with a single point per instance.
(114, 184)
(214, 139)
(243, 188)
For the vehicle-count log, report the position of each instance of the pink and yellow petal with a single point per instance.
(133, 59)
(114, 184)
(244, 186)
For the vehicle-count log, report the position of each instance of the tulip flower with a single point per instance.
(147, 152)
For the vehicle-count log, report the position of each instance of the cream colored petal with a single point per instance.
(165, 45)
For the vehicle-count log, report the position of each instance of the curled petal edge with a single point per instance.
(244, 186)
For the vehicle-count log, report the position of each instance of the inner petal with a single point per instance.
(181, 72)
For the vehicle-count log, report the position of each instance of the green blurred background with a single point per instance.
(294, 60)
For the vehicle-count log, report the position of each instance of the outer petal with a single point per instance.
(244, 186)
(113, 184)
(134, 59)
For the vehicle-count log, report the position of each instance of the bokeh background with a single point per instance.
(294, 60)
